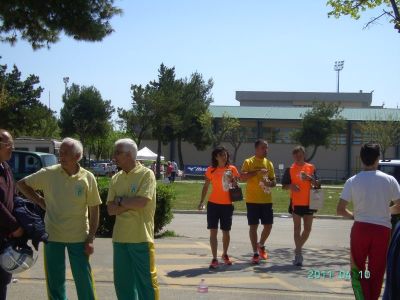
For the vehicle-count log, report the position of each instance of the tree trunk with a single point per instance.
(180, 155)
(312, 154)
(158, 164)
(235, 150)
(139, 140)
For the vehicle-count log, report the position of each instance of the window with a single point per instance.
(339, 139)
(49, 160)
(269, 134)
(359, 137)
(43, 149)
(356, 137)
(284, 136)
(250, 129)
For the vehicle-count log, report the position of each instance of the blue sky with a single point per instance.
(243, 45)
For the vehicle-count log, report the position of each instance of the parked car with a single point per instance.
(104, 169)
(24, 163)
(391, 167)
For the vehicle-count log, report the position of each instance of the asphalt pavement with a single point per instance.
(182, 262)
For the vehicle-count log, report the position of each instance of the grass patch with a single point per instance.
(188, 198)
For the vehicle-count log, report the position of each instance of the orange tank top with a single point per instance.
(302, 197)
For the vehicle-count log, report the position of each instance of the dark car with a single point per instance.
(24, 163)
(391, 167)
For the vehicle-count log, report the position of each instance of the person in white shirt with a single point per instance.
(371, 192)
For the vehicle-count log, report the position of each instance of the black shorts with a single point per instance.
(221, 213)
(260, 211)
(302, 210)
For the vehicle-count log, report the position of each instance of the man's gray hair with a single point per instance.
(76, 145)
(128, 145)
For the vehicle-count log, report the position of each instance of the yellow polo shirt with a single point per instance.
(134, 225)
(67, 199)
(254, 192)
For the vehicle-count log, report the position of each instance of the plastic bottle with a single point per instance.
(202, 290)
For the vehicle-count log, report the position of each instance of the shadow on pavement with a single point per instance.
(280, 261)
(193, 272)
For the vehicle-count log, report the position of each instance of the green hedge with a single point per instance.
(163, 215)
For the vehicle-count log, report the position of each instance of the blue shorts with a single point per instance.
(257, 212)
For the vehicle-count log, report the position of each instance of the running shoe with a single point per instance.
(298, 260)
(227, 260)
(261, 251)
(255, 260)
(214, 263)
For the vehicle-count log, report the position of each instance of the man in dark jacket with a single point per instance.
(9, 226)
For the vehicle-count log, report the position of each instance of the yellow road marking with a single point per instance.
(196, 245)
(179, 256)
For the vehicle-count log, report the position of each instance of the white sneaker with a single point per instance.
(298, 260)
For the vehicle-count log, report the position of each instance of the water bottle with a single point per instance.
(202, 290)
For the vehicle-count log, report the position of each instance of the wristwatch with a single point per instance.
(119, 200)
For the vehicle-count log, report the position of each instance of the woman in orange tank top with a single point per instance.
(221, 175)
(299, 179)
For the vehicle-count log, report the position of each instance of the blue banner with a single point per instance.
(195, 170)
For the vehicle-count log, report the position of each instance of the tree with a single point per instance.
(318, 126)
(139, 119)
(385, 132)
(20, 108)
(236, 137)
(103, 146)
(225, 126)
(85, 114)
(193, 123)
(41, 22)
(353, 8)
(165, 93)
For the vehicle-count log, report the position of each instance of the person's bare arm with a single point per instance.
(114, 209)
(291, 186)
(31, 194)
(93, 225)
(204, 194)
(271, 183)
(341, 210)
(395, 208)
(94, 214)
(244, 176)
(136, 202)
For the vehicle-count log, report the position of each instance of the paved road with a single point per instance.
(182, 262)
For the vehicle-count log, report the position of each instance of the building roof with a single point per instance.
(295, 113)
(292, 97)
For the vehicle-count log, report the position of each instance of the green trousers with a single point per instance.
(135, 275)
(54, 264)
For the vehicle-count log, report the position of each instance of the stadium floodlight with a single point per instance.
(338, 67)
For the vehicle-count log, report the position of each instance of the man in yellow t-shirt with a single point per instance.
(132, 199)
(69, 192)
(259, 174)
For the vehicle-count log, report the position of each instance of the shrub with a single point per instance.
(162, 217)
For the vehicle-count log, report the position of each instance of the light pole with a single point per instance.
(66, 80)
(338, 67)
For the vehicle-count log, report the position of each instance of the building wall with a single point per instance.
(330, 163)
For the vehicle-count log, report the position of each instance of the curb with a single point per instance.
(242, 213)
